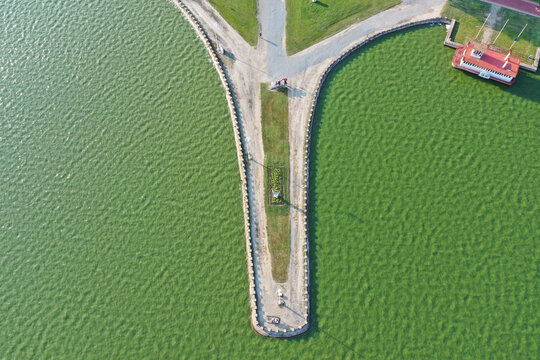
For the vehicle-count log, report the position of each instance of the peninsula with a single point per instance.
(279, 283)
(282, 309)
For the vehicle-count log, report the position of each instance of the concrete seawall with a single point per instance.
(240, 146)
(309, 129)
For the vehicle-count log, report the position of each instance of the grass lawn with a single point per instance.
(470, 14)
(530, 39)
(241, 15)
(275, 132)
(309, 23)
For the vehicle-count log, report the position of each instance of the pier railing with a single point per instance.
(309, 131)
(240, 147)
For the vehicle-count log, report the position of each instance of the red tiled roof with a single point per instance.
(492, 60)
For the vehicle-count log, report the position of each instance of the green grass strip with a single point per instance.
(308, 22)
(241, 15)
(275, 133)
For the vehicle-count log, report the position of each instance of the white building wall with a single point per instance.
(493, 74)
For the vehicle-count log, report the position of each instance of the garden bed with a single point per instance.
(275, 185)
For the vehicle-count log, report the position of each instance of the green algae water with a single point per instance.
(121, 231)
(120, 212)
(425, 211)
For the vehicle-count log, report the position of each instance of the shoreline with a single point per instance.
(298, 281)
(239, 149)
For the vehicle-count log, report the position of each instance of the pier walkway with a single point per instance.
(246, 68)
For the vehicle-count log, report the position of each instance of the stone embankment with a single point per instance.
(241, 151)
(240, 146)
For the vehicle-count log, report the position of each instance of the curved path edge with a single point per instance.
(324, 76)
(240, 146)
(311, 119)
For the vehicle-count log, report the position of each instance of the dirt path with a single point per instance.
(490, 24)
(247, 67)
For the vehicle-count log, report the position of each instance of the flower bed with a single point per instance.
(275, 185)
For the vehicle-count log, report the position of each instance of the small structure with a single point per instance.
(487, 61)
(278, 84)
(273, 319)
(281, 302)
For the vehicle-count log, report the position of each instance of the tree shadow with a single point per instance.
(284, 90)
(229, 54)
(270, 42)
(524, 87)
(287, 202)
(296, 92)
(321, 4)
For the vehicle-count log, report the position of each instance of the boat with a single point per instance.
(487, 61)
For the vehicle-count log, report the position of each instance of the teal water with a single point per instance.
(121, 232)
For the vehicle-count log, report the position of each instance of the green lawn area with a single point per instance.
(275, 132)
(309, 23)
(470, 14)
(241, 15)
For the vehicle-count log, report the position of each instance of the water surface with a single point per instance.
(121, 231)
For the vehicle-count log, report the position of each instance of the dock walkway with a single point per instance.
(244, 69)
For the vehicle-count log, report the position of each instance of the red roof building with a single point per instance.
(487, 62)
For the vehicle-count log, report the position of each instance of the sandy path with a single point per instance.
(488, 31)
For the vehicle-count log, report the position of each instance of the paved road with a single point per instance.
(523, 6)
